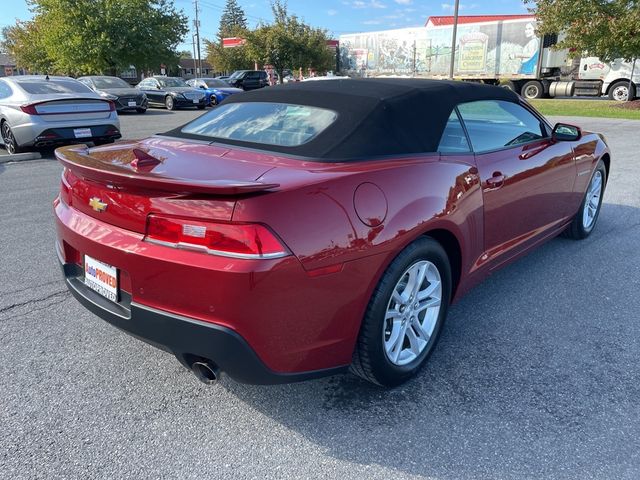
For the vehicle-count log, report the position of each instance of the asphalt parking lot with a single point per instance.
(536, 375)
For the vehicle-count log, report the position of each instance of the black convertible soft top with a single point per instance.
(376, 117)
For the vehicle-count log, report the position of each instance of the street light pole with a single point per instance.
(453, 39)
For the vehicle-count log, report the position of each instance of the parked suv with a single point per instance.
(248, 79)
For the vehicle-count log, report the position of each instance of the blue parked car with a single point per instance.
(216, 90)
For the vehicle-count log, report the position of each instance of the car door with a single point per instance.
(252, 81)
(526, 177)
(150, 86)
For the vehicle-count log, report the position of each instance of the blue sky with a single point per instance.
(337, 16)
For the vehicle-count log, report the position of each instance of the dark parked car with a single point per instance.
(125, 97)
(172, 93)
(303, 229)
(248, 79)
(216, 90)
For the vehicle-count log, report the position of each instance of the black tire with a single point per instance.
(10, 143)
(510, 85)
(169, 103)
(617, 88)
(532, 89)
(577, 230)
(213, 101)
(141, 110)
(370, 360)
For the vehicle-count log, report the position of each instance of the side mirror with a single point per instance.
(158, 87)
(203, 87)
(563, 132)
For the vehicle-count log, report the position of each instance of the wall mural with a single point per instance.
(482, 49)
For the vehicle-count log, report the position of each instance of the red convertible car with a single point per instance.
(297, 231)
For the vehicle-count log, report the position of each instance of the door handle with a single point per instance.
(496, 181)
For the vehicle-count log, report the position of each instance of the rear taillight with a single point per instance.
(225, 239)
(29, 109)
(112, 106)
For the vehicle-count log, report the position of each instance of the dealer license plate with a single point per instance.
(132, 104)
(101, 278)
(195, 100)
(82, 132)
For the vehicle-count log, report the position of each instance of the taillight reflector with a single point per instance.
(29, 109)
(225, 239)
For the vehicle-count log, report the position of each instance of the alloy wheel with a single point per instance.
(592, 201)
(412, 313)
(8, 139)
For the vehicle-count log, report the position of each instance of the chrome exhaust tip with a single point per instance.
(206, 372)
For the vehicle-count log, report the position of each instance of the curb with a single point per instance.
(20, 157)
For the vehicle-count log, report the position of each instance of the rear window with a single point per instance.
(279, 124)
(172, 82)
(44, 87)
(110, 82)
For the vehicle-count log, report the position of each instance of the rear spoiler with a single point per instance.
(77, 160)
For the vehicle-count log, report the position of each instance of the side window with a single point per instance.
(5, 90)
(454, 140)
(496, 124)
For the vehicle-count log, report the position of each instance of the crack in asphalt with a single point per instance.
(29, 287)
(34, 301)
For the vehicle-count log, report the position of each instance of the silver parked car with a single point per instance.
(38, 111)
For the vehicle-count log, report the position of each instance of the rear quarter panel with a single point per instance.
(316, 216)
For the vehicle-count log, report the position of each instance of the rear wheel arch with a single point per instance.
(606, 159)
(451, 245)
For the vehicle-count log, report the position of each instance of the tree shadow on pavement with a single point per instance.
(536, 375)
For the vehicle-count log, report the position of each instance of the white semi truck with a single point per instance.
(504, 51)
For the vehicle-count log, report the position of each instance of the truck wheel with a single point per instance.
(619, 91)
(510, 85)
(532, 89)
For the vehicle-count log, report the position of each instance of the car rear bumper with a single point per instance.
(188, 339)
(64, 136)
(37, 133)
(242, 316)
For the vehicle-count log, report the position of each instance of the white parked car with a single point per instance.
(39, 111)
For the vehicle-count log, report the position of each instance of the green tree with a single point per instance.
(232, 19)
(607, 29)
(98, 36)
(233, 23)
(289, 43)
(24, 42)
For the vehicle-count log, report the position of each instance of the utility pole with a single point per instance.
(197, 25)
(195, 65)
(453, 40)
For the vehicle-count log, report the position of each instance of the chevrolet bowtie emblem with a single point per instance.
(97, 204)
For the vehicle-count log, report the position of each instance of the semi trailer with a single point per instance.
(502, 49)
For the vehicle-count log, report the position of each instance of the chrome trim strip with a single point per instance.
(203, 249)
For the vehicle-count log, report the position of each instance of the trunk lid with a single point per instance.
(73, 109)
(123, 183)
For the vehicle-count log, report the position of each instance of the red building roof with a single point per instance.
(439, 21)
